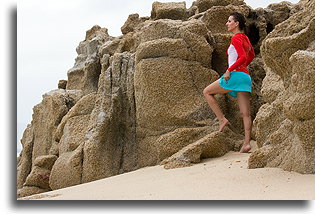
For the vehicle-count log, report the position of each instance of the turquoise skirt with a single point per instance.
(239, 81)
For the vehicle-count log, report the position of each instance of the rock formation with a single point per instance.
(136, 100)
(285, 124)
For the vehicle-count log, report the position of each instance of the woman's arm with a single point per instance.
(238, 45)
(251, 56)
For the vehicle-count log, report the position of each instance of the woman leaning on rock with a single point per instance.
(236, 81)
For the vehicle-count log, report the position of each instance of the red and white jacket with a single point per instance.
(240, 53)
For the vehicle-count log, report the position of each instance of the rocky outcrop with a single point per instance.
(136, 100)
(212, 145)
(110, 145)
(38, 179)
(285, 124)
(38, 139)
(85, 73)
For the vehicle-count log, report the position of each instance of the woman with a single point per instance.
(236, 81)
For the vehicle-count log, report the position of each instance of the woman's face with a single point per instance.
(231, 24)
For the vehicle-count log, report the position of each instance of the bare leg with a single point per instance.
(209, 93)
(243, 99)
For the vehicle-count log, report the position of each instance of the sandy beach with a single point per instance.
(223, 178)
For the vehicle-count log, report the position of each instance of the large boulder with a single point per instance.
(71, 131)
(204, 5)
(67, 170)
(132, 23)
(169, 10)
(25, 159)
(110, 145)
(211, 145)
(285, 124)
(37, 141)
(278, 12)
(70, 135)
(38, 179)
(85, 73)
(47, 116)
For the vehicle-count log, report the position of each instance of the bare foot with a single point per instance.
(223, 123)
(245, 148)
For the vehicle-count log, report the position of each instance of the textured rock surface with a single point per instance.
(204, 5)
(170, 10)
(25, 159)
(285, 124)
(85, 73)
(37, 180)
(212, 145)
(136, 100)
(110, 143)
(67, 170)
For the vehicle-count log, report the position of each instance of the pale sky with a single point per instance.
(49, 32)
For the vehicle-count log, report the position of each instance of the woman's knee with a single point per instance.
(206, 91)
(208, 95)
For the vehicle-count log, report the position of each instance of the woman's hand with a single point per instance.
(227, 75)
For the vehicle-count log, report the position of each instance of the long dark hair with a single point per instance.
(238, 17)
